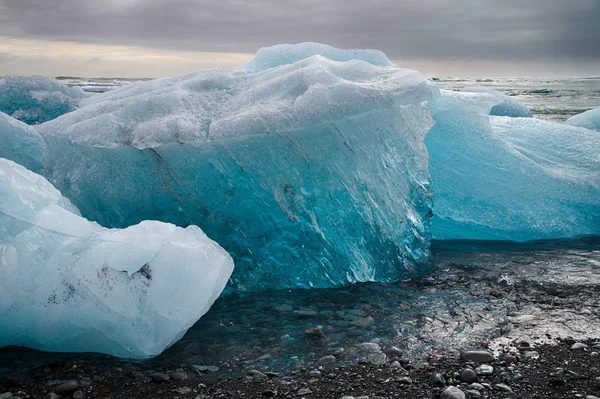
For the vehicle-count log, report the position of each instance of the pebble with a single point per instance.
(579, 345)
(477, 355)
(66, 388)
(51, 395)
(314, 373)
(257, 375)
(469, 376)
(404, 380)
(160, 377)
(85, 382)
(182, 390)
(510, 359)
(179, 376)
(303, 391)
(484, 369)
(207, 369)
(369, 347)
(339, 352)
(531, 355)
(347, 397)
(314, 333)
(453, 393)
(591, 397)
(503, 387)
(476, 386)
(7, 395)
(393, 352)
(327, 359)
(437, 380)
(473, 394)
(78, 395)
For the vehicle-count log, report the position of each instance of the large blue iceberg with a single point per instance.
(588, 119)
(509, 178)
(68, 284)
(307, 164)
(37, 99)
(20, 143)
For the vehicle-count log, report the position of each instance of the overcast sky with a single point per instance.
(149, 38)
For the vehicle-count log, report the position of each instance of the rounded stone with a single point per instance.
(469, 376)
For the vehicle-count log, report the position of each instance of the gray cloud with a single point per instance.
(529, 30)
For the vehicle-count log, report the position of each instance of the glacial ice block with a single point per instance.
(68, 284)
(20, 143)
(37, 99)
(312, 174)
(588, 119)
(510, 178)
(507, 106)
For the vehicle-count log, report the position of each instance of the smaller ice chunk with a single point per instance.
(285, 54)
(37, 99)
(69, 284)
(20, 143)
(507, 107)
(588, 119)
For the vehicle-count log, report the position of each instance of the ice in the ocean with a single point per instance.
(68, 284)
(507, 106)
(20, 143)
(588, 119)
(510, 178)
(311, 170)
(37, 99)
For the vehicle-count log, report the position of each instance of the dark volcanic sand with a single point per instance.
(541, 378)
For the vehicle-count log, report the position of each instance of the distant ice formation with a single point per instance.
(37, 99)
(509, 178)
(588, 119)
(312, 172)
(506, 107)
(68, 284)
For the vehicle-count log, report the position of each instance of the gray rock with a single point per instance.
(484, 369)
(531, 355)
(369, 347)
(469, 376)
(476, 386)
(404, 380)
(503, 387)
(477, 355)
(314, 373)
(473, 394)
(85, 382)
(437, 380)
(579, 345)
(510, 359)
(257, 375)
(78, 394)
(160, 377)
(206, 369)
(327, 359)
(339, 352)
(453, 393)
(591, 397)
(66, 388)
(182, 390)
(315, 332)
(393, 353)
(7, 395)
(303, 391)
(179, 375)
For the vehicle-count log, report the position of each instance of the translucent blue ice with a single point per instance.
(285, 54)
(37, 99)
(506, 107)
(510, 178)
(588, 119)
(312, 173)
(68, 284)
(20, 143)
